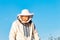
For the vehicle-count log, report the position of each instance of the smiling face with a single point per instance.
(24, 18)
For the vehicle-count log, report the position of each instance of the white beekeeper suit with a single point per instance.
(17, 31)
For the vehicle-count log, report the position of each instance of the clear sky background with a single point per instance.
(46, 16)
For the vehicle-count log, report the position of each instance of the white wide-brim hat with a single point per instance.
(25, 12)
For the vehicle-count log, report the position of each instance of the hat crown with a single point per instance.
(25, 11)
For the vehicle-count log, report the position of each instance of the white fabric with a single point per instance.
(17, 33)
(25, 12)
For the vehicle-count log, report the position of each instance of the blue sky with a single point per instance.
(46, 16)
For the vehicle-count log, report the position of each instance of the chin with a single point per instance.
(24, 22)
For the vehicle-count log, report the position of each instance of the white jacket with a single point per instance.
(17, 33)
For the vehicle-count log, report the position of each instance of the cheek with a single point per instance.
(26, 18)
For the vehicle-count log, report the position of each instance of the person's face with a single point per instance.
(25, 18)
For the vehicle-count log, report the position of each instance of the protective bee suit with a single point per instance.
(22, 31)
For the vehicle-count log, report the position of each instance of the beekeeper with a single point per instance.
(23, 28)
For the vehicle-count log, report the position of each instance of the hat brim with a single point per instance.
(26, 14)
